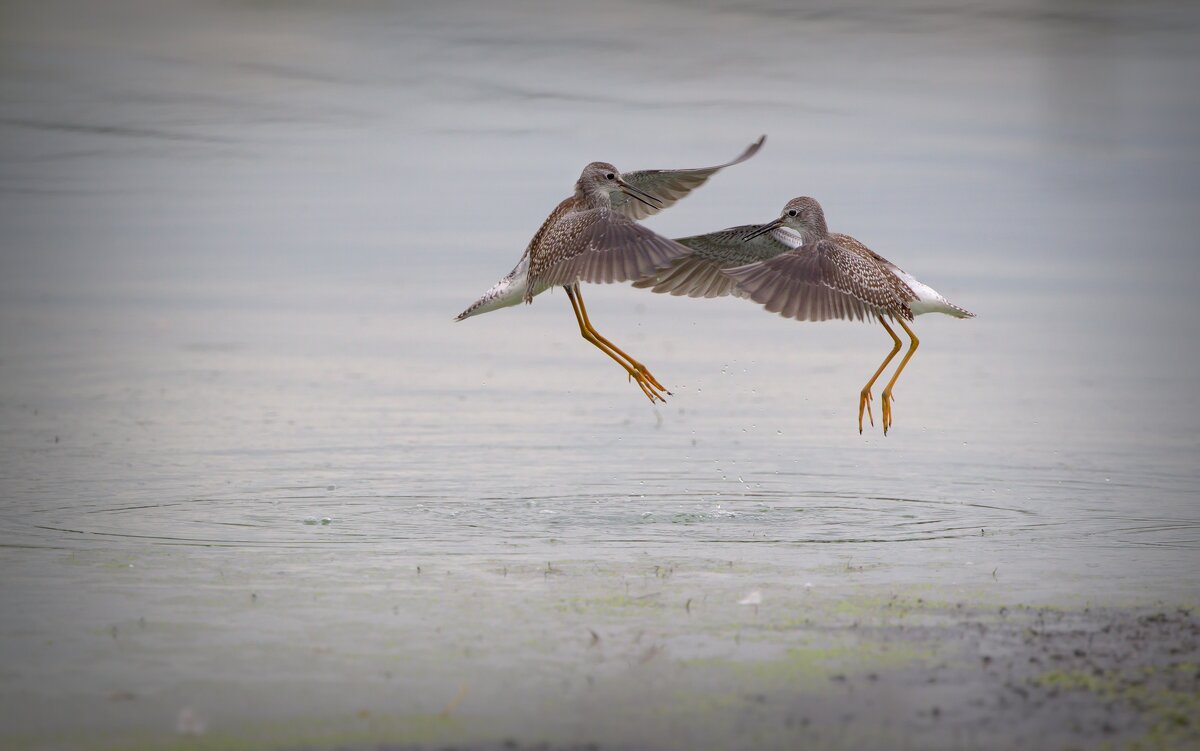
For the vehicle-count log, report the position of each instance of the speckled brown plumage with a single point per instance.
(581, 244)
(825, 275)
(829, 276)
(593, 235)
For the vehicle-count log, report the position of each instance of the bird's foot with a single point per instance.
(649, 386)
(864, 404)
(648, 376)
(646, 380)
(885, 401)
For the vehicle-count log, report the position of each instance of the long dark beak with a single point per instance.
(764, 229)
(641, 195)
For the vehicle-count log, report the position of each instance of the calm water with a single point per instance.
(233, 236)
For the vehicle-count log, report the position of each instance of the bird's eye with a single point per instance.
(611, 176)
(791, 212)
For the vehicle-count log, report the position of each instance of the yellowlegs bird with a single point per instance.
(593, 236)
(795, 267)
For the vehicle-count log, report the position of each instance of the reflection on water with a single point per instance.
(233, 236)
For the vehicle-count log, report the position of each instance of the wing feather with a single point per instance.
(602, 246)
(670, 185)
(699, 274)
(821, 281)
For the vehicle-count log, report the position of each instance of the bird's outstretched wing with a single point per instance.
(699, 273)
(599, 245)
(821, 281)
(668, 186)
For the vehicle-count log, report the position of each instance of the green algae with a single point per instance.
(813, 666)
(810, 664)
(1171, 716)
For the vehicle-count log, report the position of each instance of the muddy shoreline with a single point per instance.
(869, 671)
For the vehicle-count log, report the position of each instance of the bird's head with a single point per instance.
(599, 181)
(802, 215)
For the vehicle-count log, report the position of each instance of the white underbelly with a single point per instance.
(505, 293)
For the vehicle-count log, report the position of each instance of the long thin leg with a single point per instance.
(636, 365)
(585, 331)
(886, 397)
(864, 396)
(591, 335)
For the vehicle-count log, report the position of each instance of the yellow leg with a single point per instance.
(864, 396)
(886, 397)
(632, 362)
(589, 333)
(586, 331)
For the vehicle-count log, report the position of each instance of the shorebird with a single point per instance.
(796, 267)
(593, 236)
